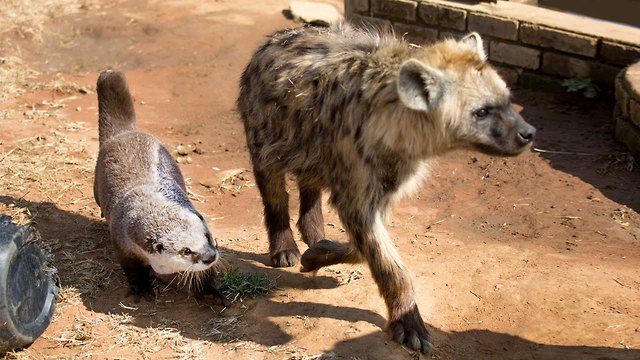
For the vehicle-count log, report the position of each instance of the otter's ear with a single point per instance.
(419, 86)
(474, 41)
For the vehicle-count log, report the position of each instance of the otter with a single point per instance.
(154, 227)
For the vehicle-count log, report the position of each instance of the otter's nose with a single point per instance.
(526, 134)
(209, 257)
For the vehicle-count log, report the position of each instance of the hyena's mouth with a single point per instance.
(508, 144)
(501, 151)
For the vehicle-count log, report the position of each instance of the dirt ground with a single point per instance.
(533, 257)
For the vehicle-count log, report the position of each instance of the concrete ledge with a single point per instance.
(520, 38)
(627, 112)
(530, 46)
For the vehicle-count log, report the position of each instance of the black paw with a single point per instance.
(210, 292)
(285, 258)
(140, 282)
(142, 292)
(410, 330)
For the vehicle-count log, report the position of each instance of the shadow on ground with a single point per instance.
(576, 136)
(483, 345)
(76, 240)
(75, 232)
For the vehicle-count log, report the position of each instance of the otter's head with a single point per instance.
(177, 240)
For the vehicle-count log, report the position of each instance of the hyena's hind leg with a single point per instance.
(282, 248)
(311, 221)
(323, 252)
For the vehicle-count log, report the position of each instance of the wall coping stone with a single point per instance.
(578, 24)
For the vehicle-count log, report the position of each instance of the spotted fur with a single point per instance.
(362, 114)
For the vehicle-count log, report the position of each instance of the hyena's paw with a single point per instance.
(323, 253)
(285, 258)
(410, 330)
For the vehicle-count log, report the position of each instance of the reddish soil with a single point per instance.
(533, 257)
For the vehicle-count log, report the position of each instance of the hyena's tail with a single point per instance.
(115, 105)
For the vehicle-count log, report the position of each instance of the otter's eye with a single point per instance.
(481, 113)
(200, 217)
(186, 251)
(159, 248)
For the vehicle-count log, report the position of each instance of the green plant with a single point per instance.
(236, 285)
(584, 85)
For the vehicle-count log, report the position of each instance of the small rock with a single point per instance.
(198, 151)
(183, 150)
(184, 160)
(314, 12)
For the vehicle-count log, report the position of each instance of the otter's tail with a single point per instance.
(115, 105)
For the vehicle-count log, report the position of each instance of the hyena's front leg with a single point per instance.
(282, 248)
(311, 221)
(370, 240)
(394, 282)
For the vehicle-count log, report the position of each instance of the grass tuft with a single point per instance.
(236, 285)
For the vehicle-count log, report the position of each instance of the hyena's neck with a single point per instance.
(414, 135)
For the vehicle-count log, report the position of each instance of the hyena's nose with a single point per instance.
(526, 134)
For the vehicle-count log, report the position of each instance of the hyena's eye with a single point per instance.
(481, 113)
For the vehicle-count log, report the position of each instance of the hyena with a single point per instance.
(361, 115)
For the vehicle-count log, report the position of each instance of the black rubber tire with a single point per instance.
(29, 286)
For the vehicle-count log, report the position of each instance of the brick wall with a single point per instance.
(627, 111)
(529, 46)
(527, 49)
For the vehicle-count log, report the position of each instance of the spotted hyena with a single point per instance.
(361, 115)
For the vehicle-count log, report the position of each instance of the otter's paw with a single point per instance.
(410, 330)
(285, 258)
(142, 292)
(217, 297)
(322, 253)
(210, 291)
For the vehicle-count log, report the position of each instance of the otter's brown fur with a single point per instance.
(142, 194)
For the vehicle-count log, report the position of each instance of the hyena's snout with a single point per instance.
(526, 133)
(521, 134)
(503, 133)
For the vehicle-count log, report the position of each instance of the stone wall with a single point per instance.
(530, 46)
(627, 111)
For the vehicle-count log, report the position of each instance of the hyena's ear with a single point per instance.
(474, 41)
(419, 86)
